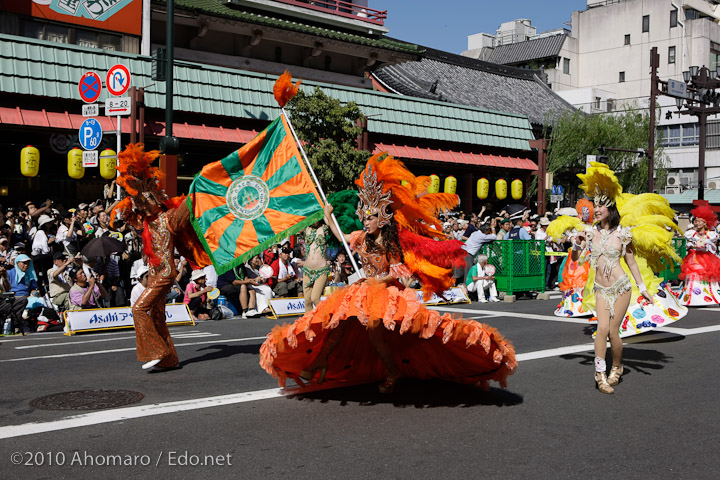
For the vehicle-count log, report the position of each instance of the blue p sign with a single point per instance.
(90, 134)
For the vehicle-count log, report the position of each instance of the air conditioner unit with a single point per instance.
(713, 185)
(673, 180)
(672, 190)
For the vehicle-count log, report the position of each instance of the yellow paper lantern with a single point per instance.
(434, 186)
(516, 189)
(75, 163)
(483, 188)
(29, 161)
(501, 189)
(108, 164)
(450, 184)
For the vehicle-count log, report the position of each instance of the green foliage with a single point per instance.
(577, 134)
(328, 128)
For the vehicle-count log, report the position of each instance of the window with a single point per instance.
(714, 59)
(621, 77)
(597, 102)
(680, 135)
(671, 54)
(610, 104)
(646, 23)
(627, 39)
(566, 66)
(673, 18)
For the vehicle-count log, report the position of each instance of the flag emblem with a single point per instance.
(248, 197)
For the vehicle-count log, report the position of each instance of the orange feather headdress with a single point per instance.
(427, 252)
(141, 181)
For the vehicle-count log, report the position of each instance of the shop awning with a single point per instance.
(451, 156)
(72, 121)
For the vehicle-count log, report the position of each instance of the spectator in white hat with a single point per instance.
(196, 295)
(142, 277)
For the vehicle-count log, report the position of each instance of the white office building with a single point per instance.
(602, 64)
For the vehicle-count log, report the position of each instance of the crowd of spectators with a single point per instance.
(44, 272)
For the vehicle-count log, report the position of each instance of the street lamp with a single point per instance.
(701, 101)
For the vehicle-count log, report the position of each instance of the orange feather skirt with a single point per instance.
(425, 343)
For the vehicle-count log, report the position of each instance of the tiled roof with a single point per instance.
(467, 81)
(687, 197)
(220, 8)
(33, 67)
(529, 50)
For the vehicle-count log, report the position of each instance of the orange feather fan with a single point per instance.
(284, 89)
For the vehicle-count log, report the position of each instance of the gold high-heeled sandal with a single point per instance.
(602, 383)
(615, 374)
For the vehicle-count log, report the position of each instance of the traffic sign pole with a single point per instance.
(119, 146)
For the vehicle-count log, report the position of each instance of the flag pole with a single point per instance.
(322, 195)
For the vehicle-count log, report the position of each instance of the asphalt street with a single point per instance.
(221, 416)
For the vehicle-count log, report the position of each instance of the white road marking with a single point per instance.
(96, 340)
(127, 413)
(131, 349)
(494, 313)
(119, 414)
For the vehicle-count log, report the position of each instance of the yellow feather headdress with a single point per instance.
(601, 184)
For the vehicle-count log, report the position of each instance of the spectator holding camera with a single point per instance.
(67, 233)
(86, 292)
(284, 280)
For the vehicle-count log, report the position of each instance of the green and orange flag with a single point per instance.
(253, 198)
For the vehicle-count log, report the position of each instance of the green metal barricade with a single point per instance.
(669, 274)
(519, 265)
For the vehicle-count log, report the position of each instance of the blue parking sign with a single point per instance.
(90, 134)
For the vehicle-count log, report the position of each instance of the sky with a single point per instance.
(445, 24)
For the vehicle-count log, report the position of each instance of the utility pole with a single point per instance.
(169, 145)
(654, 63)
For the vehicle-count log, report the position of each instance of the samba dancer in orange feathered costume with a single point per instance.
(376, 329)
(166, 226)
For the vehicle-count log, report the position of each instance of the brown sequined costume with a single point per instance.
(166, 226)
(151, 331)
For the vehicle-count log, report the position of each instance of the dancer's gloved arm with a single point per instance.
(328, 220)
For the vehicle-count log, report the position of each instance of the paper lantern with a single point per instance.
(434, 186)
(75, 163)
(516, 189)
(108, 164)
(483, 188)
(450, 185)
(501, 189)
(29, 161)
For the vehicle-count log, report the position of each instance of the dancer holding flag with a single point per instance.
(377, 330)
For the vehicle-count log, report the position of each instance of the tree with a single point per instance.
(328, 128)
(577, 134)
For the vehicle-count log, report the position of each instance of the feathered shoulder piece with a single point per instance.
(564, 224)
(389, 186)
(652, 222)
(706, 213)
(284, 89)
(601, 184)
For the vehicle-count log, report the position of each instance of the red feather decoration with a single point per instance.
(284, 89)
